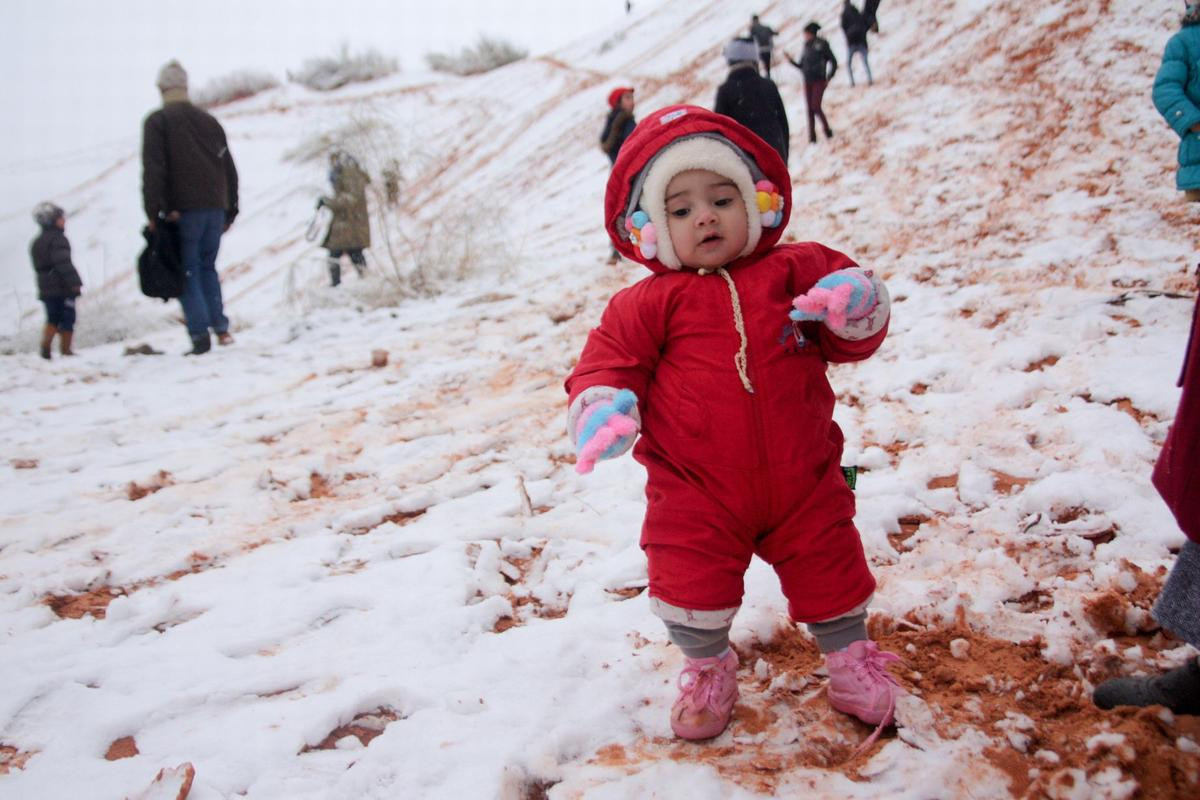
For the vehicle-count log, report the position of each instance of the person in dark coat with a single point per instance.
(855, 25)
(1176, 476)
(188, 175)
(57, 279)
(818, 66)
(618, 125)
(350, 231)
(764, 36)
(752, 99)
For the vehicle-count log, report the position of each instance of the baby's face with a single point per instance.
(706, 219)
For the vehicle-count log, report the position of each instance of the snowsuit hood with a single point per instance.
(669, 126)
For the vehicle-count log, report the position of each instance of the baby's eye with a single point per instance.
(680, 212)
(722, 202)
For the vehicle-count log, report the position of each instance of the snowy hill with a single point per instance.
(293, 575)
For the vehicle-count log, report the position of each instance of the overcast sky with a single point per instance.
(80, 73)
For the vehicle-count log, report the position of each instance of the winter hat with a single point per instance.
(741, 50)
(172, 76)
(46, 214)
(812, 28)
(711, 152)
(658, 145)
(614, 96)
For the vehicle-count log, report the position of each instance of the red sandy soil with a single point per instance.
(993, 688)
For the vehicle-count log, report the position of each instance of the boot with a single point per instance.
(64, 342)
(200, 345)
(335, 273)
(707, 691)
(224, 338)
(48, 334)
(1178, 690)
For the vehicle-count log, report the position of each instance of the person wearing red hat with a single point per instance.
(715, 366)
(617, 127)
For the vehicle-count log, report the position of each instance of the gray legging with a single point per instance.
(832, 635)
(1180, 598)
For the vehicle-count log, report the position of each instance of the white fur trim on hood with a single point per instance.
(696, 153)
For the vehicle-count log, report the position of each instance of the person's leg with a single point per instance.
(359, 261)
(818, 98)
(195, 308)
(811, 108)
(334, 262)
(210, 281)
(66, 327)
(841, 632)
(50, 329)
(866, 58)
(850, 62)
(1178, 689)
(697, 553)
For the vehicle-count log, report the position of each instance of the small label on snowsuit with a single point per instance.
(851, 474)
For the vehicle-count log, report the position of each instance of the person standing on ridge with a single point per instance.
(818, 66)
(855, 26)
(57, 279)
(188, 175)
(764, 36)
(1177, 97)
(617, 127)
(350, 231)
(752, 99)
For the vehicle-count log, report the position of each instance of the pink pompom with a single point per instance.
(649, 234)
(629, 223)
(649, 250)
(765, 186)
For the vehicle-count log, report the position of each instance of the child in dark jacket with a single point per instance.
(718, 360)
(618, 125)
(58, 281)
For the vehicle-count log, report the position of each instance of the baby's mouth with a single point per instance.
(710, 239)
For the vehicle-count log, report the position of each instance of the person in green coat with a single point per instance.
(1177, 97)
(350, 231)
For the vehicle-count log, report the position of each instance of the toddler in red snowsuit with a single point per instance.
(718, 360)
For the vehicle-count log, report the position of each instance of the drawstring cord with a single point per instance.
(739, 360)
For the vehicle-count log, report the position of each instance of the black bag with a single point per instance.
(160, 266)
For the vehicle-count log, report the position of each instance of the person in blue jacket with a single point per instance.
(1177, 97)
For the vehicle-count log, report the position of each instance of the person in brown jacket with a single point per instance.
(350, 231)
(188, 175)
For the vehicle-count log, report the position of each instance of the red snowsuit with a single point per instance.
(731, 473)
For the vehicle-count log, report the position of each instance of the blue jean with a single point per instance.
(200, 237)
(862, 51)
(60, 312)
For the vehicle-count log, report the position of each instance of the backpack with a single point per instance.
(160, 266)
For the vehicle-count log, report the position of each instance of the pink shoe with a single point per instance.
(860, 684)
(707, 691)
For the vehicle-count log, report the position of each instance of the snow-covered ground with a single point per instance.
(280, 572)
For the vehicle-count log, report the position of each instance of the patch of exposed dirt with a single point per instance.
(908, 528)
(23, 463)
(1045, 731)
(11, 758)
(125, 747)
(136, 491)
(94, 602)
(364, 727)
(1038, 366)
(319, 486)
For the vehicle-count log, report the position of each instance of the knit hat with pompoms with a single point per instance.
(648, 225)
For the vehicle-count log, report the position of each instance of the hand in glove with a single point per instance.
(605, 429)
(838, 298)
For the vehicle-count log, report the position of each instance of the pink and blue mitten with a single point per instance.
(605, 429)
(839, 297)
